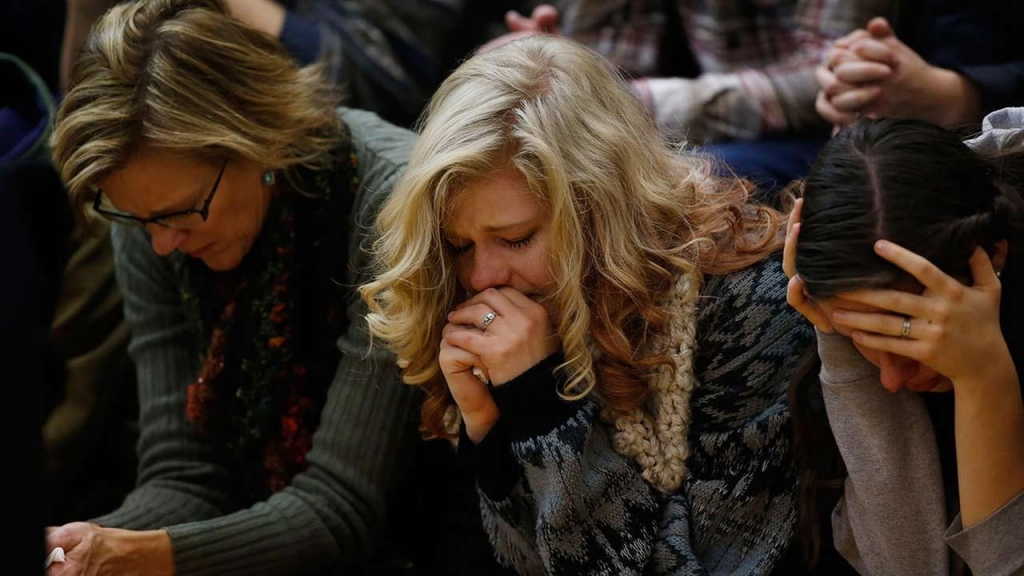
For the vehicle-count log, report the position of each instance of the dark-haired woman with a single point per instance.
(905, 253)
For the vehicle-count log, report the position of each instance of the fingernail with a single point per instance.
(881, 246)
(839, 315)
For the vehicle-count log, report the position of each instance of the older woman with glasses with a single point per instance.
(175, 219)
(269, 433)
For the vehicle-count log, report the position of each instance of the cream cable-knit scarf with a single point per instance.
(656, 434)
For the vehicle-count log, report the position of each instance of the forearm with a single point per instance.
(714, 107)
(954, 99)
(989, 436)
(894, 497)
(332, 516)
(162, 503)
(139, 553)
(744, 105)
(479, 422)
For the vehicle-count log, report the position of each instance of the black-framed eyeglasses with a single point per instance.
(177, 220)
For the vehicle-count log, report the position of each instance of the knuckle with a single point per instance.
(957, 292)
(796, 299)
(534, 323)
(498, 356)
(819, 105)
(516, 342)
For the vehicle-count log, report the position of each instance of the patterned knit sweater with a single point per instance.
(562, 492)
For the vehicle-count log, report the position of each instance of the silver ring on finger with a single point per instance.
(905, 332)
(488, 318)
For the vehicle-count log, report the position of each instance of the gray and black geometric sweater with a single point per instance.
(557, 498)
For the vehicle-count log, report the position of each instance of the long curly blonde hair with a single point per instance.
(630, 213)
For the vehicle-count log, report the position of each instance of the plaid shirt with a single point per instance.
(756, 58)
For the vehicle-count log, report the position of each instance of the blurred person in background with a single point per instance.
(386, 54)
(947, 63)
(735, 77)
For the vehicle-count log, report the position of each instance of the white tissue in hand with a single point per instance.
(56, 555)
(480, 374)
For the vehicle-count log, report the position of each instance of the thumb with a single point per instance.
(545, 17)
(982, 271)
(516, 22)
(880, 28)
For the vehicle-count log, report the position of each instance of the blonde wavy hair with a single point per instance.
(629, 214)
(184, 76)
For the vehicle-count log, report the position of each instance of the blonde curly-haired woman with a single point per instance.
(600, 320)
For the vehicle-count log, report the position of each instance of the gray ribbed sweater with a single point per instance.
(331, 515)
